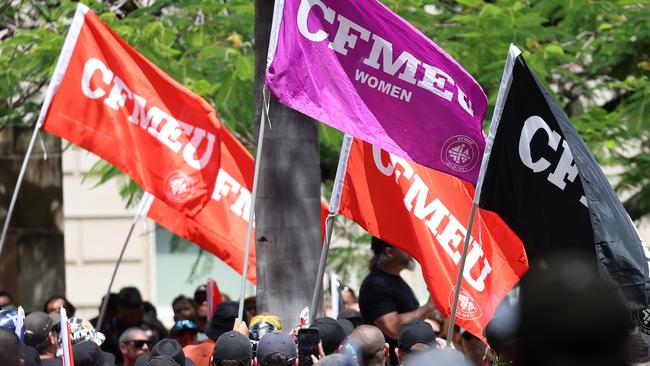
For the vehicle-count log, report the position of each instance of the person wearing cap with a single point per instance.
(276, 349)
(332, 334)
(166, 347)
(130, 313)
(222, 321)
(414, 336)
(133, 343)
(385, 299)
(232, 349)
(370, 345)
(41, 332)
(88, 353)
(185, 332)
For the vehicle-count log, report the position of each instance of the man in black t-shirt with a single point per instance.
(385, 300)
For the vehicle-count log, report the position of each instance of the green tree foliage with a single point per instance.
(594, 55)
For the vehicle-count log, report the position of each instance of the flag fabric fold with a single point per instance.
(112, 101)
(541, 179)
(425, 213)
(360, 68)
(220, 228)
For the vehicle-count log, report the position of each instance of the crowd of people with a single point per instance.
(565, 315)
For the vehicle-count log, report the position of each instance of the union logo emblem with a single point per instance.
(179, 186)
(468, 307)
(460, 153)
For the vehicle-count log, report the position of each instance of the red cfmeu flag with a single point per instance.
(424, 212)
(220, 228)
(117, 104)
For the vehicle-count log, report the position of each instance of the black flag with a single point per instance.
(540, 177)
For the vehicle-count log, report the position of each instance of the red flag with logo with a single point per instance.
(112, 101)
(424, 212)
(220, 228)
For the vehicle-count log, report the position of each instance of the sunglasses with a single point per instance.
(140, 343)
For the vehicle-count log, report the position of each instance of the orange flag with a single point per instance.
(221, 227)
(424, 212)
(117, 104)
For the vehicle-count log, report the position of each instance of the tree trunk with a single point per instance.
(288, 201)
(32, 262)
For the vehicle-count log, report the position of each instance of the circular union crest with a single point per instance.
(179, 186)
(468, 308)
(641, 319)
(460, 153)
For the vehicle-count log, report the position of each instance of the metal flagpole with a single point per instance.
(335, 202)
(57, 77)
(251, 214)
(506, 79)
(143, 206)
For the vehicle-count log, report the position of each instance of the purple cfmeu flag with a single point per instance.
(360, 68)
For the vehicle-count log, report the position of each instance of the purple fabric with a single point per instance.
(358, 86)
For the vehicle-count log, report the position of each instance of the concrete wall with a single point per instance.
(96, 224)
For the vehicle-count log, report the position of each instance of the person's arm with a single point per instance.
(391, 323)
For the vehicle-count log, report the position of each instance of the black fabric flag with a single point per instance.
(540, 177)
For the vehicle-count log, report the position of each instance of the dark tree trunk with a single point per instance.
(288, 200)
(32, 262)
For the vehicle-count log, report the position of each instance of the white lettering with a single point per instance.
(451, 237)
(116, 97)
(434, 81)
(242, 207)
(373, 82)
(565, 168)
(224, 185)
(382, 46)
(362, 76)
(465, 103)
(190, 149)
(303, 16)
(386, 170)
(531, 126)
(472, 259)
(90, 67)
(170, 134)
(344, 38)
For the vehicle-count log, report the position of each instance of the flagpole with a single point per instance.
(335, 203)
(55, 81)
(251, 214)
(143, 206)
(506, 79)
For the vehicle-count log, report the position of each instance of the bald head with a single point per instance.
(371, 344)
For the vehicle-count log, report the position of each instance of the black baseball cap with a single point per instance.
(89, 353)
(331, 333)
(271, 343)
(234, 346)
(166, 347)
(347, 326)
(378, 245)
(37, 327)
(414, 332)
